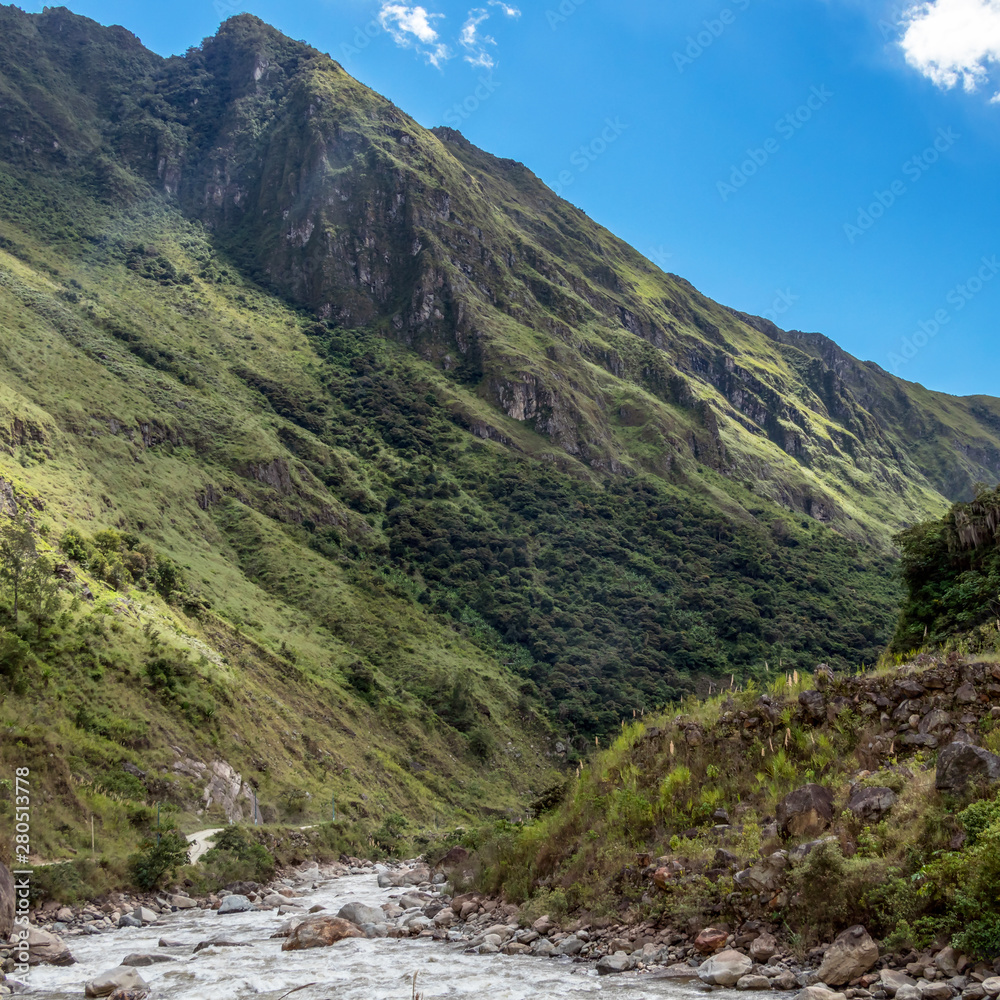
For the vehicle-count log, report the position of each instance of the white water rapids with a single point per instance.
(353, 969)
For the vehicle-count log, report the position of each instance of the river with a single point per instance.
(353, 969)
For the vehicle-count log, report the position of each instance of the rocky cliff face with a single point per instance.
(342, 203)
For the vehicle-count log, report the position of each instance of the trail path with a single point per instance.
(200, 843)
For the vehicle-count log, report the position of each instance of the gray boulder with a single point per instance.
(235, 904)
(47, 949)
(122, 978)
(611, 964)
(753, 982)
(962, 764)
(871, 804)
(806, 812)
(850, 956)
(725, 969)
(141, 959)
(891, 981)
(819, 993)
(361, 913)
(127, 920)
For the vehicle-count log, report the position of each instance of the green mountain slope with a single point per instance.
(435, 452)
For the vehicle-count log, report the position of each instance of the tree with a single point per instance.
(157, 858)
(17, 555)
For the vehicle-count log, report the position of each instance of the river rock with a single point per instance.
(235, 904)
(124, 977)
(570, 946)
(871, 804)
(724, 969)
(361, 913)
(763, 947)
(992, 985)
(123, 994)
(183, 902)
(165, 943)
(891, 981)
(220, 943)
(543, 924)
(320, 931)
(947, 961)
(611, 964)
(127, 920)
(144, 914)
(141, 959)
(819, 993)
(960, 764)
(939, 990)
(806, 812)
(47, 949)
(7, 902)
(850, 956)
(752, 982)
(908, 993)
(710, 940)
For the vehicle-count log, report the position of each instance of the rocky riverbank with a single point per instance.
(750, 957)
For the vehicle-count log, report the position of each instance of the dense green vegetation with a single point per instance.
(951, 569)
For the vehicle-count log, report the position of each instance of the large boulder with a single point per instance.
(709, 940)
(813, 705)
(767, 875)
(850, 956)
(122, 978)
(763, 948)
(962, 764)
(7, 902)
(819, 993)
(361, 914)
(47, 949)
(725, 969)
(871, 804)
(891, 981)
(806, 812)
(235, 904)
(320, 931)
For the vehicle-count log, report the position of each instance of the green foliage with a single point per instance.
(951, 569)
(158, 857)
(122, 560)
(236, 857)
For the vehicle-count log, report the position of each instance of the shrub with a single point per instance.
(157, 858)
(236, 857)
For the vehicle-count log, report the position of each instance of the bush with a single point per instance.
(157, 858)
(236, 857)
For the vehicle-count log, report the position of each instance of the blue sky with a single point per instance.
(830, 163)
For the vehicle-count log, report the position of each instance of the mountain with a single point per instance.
(447, 471)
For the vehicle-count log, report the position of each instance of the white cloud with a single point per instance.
(474, 43)
(506, 8)
(954, 41)
(411, 27)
